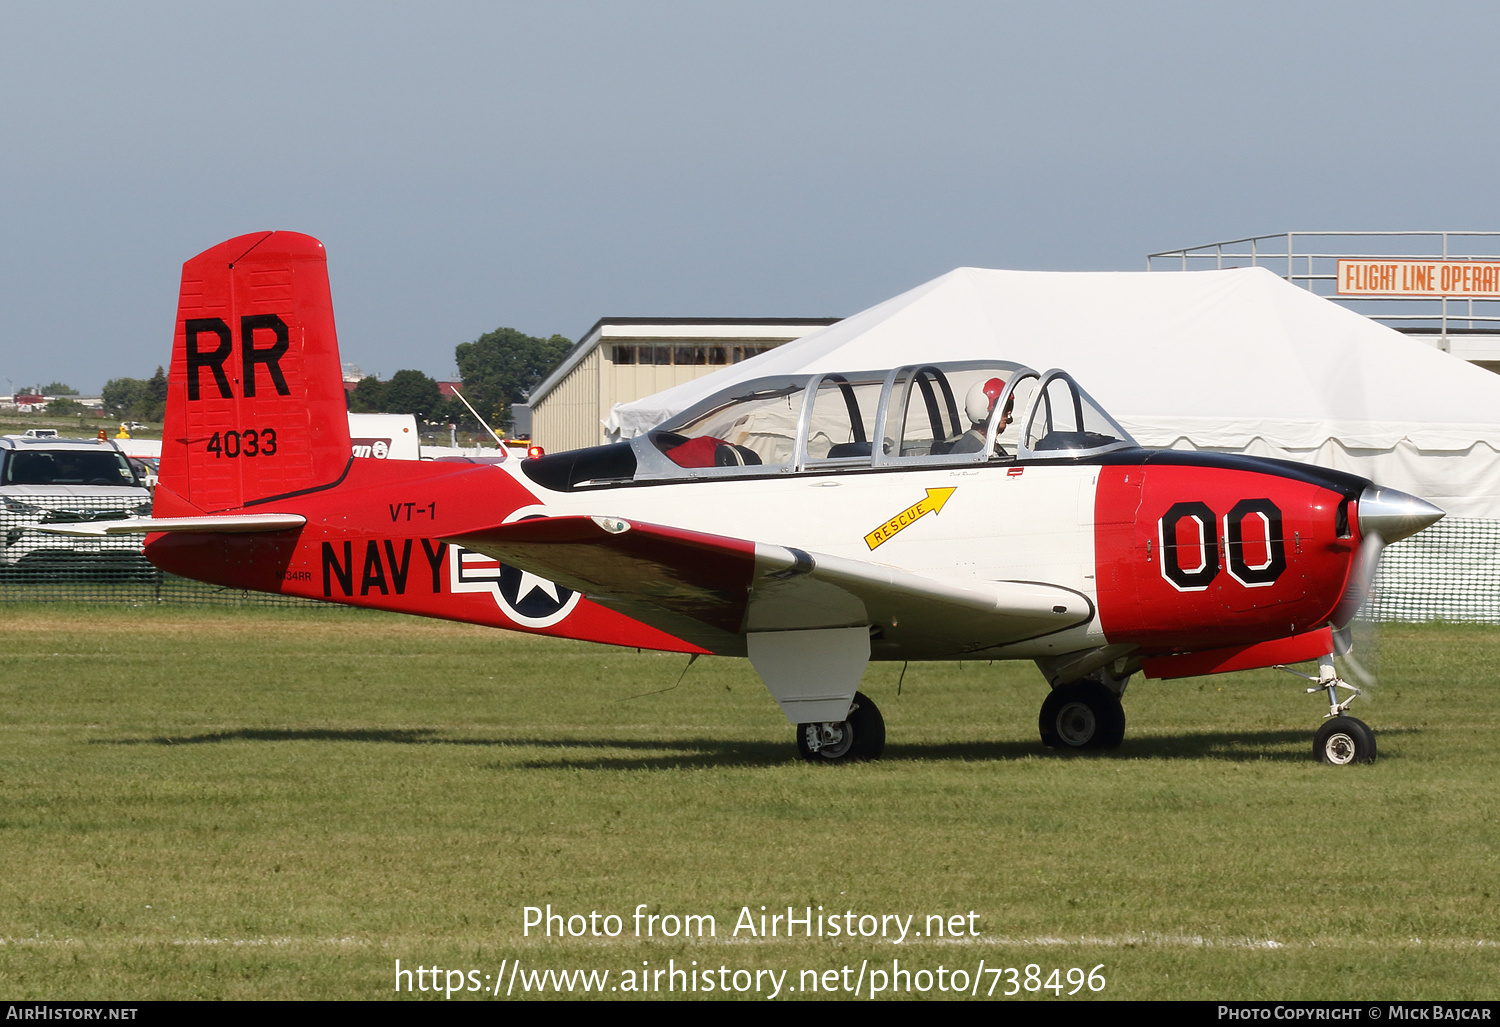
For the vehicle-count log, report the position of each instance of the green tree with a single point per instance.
(368, 396)
(136, 398)
(123, 395)
(412, 392)
(59, 389)
(499, 368)
(65, 407)
(455, 412)
(156, 389)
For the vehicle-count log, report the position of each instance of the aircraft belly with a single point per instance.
(810, 604)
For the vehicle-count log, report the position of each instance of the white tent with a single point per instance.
(1236, 360)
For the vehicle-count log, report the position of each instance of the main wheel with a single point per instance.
(1344, 740)
(1082, 715)
(861, 737)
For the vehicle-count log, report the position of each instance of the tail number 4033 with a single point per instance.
(1255, 546)
(250, 442)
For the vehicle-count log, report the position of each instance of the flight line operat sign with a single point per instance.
(1463, 278)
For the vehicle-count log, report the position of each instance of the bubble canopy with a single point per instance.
(969, 412)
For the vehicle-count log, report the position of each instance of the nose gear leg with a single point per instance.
(1328, 682)
(1341, 740)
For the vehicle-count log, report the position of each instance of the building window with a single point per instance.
(690, 355)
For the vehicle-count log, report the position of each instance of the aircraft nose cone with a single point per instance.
(1395, 515)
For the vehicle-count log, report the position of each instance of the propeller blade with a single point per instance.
(1343, 640)
(1363, 676)
(1361, 578)
(1354, 634)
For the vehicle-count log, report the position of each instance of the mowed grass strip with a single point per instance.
(282, 803)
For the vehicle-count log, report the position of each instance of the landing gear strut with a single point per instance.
(1341, 740)
(860, 737)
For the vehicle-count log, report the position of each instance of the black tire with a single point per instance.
(1082, 715)
(861, 737)
(1342, 741)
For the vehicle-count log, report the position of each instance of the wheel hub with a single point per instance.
(1339, 749)
(830, 739)
(1075, 723)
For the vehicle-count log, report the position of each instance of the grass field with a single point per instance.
(273, 803)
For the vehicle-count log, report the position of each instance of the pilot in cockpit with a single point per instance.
(977, 405)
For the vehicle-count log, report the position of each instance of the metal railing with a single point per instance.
(1310, 260)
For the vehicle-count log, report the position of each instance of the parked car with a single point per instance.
(52, 480)
(146, 469)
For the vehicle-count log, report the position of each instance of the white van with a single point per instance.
(385, 436)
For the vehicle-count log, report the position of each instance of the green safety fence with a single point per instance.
(1448, 572)
(36, 566)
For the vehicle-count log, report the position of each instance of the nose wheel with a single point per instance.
(860, 737)
(1342, 739)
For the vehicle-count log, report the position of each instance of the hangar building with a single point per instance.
(622, 359)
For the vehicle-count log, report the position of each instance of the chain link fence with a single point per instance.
(39, 567)
(1449, 572)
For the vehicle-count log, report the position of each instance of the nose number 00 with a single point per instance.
(1191, 564)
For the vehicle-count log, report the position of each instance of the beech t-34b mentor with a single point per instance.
(813, 523)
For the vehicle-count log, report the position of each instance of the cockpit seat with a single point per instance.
(699, 452)
(730, 455)
(1073, 440)
(848, 449)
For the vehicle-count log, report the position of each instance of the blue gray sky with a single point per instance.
(540, 165)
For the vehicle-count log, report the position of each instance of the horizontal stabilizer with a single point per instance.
(231, 524)
(711, 590)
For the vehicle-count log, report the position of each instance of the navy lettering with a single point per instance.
(435, 561)
(374, 573)
(399, 568)
(333, 569)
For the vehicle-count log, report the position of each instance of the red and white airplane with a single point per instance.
(813, 523)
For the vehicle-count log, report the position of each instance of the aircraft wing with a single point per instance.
(712, 590)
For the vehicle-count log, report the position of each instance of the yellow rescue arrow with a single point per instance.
(903, 520)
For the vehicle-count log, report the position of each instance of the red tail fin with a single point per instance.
(255, 399)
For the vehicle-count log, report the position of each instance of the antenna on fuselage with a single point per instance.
(498, 440)
(692, 659)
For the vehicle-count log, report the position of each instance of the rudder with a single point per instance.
(255, 400)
